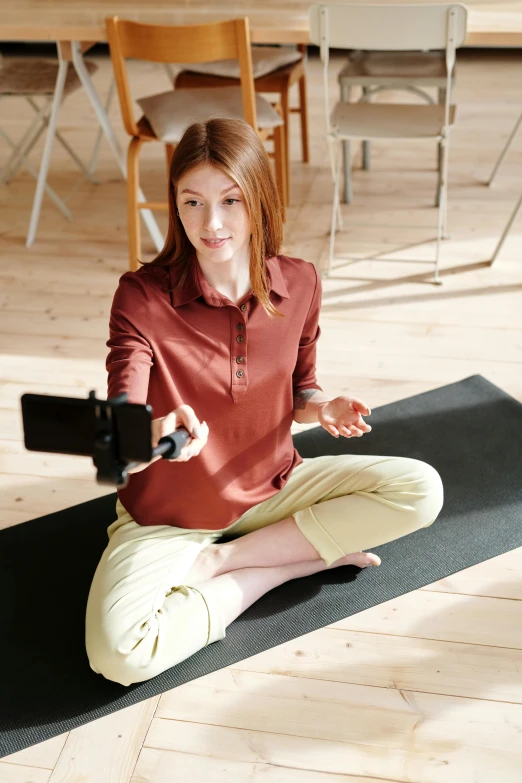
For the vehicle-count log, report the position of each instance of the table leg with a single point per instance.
(46, 157)
(94, 157)
(103, 119)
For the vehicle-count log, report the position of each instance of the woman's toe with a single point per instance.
(365, 559)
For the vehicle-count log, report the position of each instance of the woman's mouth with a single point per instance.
(214, 243)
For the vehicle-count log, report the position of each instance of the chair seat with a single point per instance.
(170, 113)
(388, 120)
(265, 59)
(37, 76)
(400, 68)
(275, 81)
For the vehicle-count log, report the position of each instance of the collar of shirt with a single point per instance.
(196, 285)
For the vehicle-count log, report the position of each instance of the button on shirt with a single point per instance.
(237, 367)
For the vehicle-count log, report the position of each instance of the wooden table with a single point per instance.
(271, 21)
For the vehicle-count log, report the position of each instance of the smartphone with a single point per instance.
(68, 425)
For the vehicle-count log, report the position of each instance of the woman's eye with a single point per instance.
(230, 201)
(192, 203)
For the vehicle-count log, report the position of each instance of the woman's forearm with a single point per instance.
(306, 405)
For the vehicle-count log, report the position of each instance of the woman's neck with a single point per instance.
(231, 278)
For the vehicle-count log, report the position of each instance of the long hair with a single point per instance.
(233, 147)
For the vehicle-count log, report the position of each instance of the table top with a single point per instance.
(271, 21)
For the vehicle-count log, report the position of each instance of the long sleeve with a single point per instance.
(130, 357)
(304, 375)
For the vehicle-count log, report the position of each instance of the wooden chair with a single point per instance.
(167, 115)
(276, 70)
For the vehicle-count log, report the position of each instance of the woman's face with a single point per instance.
(213, 212)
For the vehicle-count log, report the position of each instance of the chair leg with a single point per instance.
(285, 110)
(504, 151)
(502, 239)
(25, 145)
(346, 93)
(336, 158)
(19, 155)
(303, 114)
(133, 197)
(48, 189)
(280, 166)
(347, 165)
(366, 144)
(44, 167)
(440, 158)
(442, 216)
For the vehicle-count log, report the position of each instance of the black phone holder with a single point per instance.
(114, 432)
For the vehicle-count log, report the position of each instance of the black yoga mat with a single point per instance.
(470, 431)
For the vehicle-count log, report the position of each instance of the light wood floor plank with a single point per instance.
(382, 718)
(498, 577)
(157, 766)
(44, 754)
(401, 662)
(105, 750)
(495, 622)
(220, 750)
(16, 773)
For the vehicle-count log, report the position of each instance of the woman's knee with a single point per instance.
(126, 664)
(119, 660)
(425, 491)
(128, 649)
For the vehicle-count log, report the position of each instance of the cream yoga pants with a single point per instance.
(142, 617)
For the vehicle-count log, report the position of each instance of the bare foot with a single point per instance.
(359, 559)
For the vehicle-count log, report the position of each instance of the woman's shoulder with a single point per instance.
(296, 270)
(146, 280)
(293, 261)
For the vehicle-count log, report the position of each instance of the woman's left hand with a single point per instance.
(342, 416)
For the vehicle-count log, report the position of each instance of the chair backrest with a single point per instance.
(180, 43)
(390, 27)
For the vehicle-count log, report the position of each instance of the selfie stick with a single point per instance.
(111, 468)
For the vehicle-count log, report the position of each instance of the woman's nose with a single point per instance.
(213, 220)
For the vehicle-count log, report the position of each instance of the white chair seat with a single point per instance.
(368, 68)
(32, 76)
(265, 59)
(388, 120)
(170, 113)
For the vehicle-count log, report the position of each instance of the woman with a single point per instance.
(219, 335)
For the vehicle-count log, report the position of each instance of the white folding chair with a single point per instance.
(375, 72)
(382, 28)
(44, 83)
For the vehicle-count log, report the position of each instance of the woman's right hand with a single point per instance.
(185, 417)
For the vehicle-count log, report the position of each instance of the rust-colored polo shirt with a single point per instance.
(235, 366)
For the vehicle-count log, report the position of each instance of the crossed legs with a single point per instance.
(246, 568)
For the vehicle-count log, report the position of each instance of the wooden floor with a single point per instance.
(425, 688)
